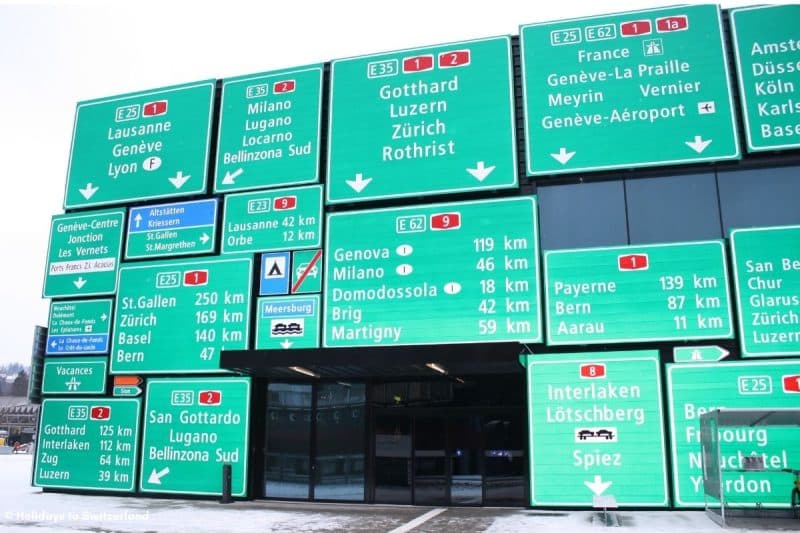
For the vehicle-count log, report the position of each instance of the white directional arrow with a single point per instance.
(359, 183)
(179, 179)
(54, 344)
(204, 238)
(286, 344)
(155, 477)
(563, 156)
(480, 171)
(598, 486)
(138, 219)
(88, 191)
(230, 176)
(80, 282)
(103, 317)
(698, 145)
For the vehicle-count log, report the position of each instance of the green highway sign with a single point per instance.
(432, 274)
(306, 271)
(79, 327)
(83, 254)
(699, 388)
(126, 390)
(288, 322)
(269, 131)
(596, 428)
(138, 146)
(192, 427)
(429, 120)
(74, 375)
(176, 316)
(637, 293)
(627, 90)
(172, 229)
(698, 354)
(87, 444)
(280, 219)
(766, 266)
(767, 54)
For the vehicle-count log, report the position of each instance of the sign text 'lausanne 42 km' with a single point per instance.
(143, 145)
(446, 273)
(633, 89)
(423, 121)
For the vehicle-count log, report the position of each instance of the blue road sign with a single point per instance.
(288, 308)
(77, 344)
(172, 229)
(275, 274)
(180, 215)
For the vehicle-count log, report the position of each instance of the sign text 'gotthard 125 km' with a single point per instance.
(735, 385)
(83, 255)
(87, 444)
(192, 427)
(172, 229)
(142, 145)
(79, 327)
(428, 120)
(638, 293)
(766, 263)
(767, 49)
(446, 273)
(596, 428)
(632, 89)
(176, 316)
(269, 130)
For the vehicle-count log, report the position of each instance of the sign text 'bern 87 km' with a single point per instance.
(632, 89)
(423, 121)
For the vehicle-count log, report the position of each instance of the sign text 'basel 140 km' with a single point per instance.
(633, 89)
(446, 273)
(428, 120)
(150, 144)
(596, 428)
(176, 316)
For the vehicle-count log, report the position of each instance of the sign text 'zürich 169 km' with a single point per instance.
(446, 273)
(176, 316)
(766, 265)
(269, 130)
(633, 89)
(192, 427)
(79, 327)
(596, 428)
(136, 146)
(767, 50)
(423, 121)
(83, 254)
(87, 444)
(637, 293)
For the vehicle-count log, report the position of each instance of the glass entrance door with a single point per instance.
(430, 462)
(464, 451)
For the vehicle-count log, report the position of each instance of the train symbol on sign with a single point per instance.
(593, 370)
(100, 412)
(209, 397)
(633, 262)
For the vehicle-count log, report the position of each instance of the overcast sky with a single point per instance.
(53, 55)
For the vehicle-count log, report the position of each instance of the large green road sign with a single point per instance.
(176, 316)
(767, 52)
(192, 427)
(87, 444)
(596, 428)
(79, 327)
(446, 273)
(74, 375)
(141, 145)
(280, 219)
(83, 254)
(288, 322)
(637, 293)
(269, 130)
(429, 120)
(766, 266)
(698, 388)
(632, 89)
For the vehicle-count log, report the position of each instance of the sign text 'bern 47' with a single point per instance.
(446, 273)
(79, 327)
(429, 120)
(767, 50)
(87, 444)
(766, 263)
(192, 427)
(83, 255)
(176, 316)
(269, 130)
(638, 293)
(734, 385)
(142, 145)
(632, 89)
(596, 428)
(172, 229)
